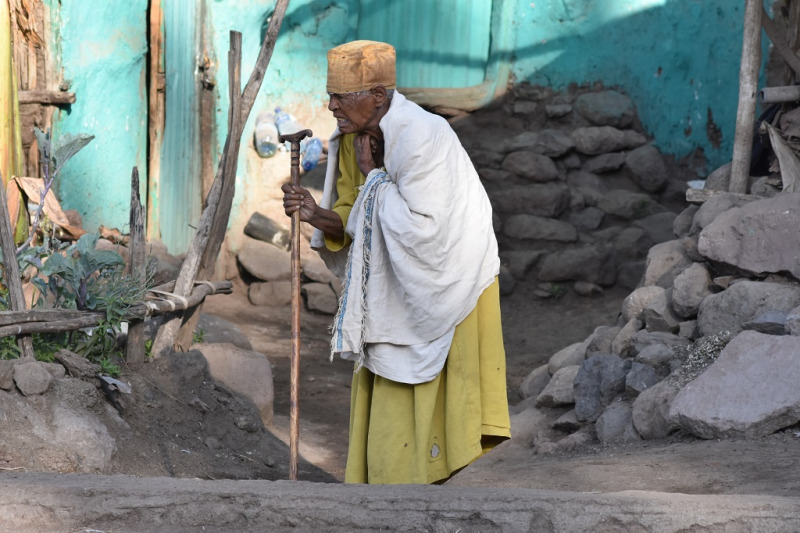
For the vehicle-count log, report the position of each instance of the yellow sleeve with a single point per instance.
(348, 182)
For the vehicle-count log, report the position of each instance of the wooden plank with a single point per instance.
(699, 196)
(134, 345)
(46, 97)
(748, 88)
(156, 116)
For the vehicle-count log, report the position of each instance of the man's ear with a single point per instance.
(379, 95)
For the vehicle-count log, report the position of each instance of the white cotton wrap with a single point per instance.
(431, 249)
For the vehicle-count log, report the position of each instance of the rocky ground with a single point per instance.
(649, 343)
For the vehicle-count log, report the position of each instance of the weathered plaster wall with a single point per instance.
(295, 81)
(100, 50)
(677, 59)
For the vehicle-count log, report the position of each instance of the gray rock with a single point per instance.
(320, 298)
(628, 205)
(651, 411)
(690, 288)
(541, 199)
(600, 379)
(587, 219)
(559, 390)
(526, 425)
(539, 228)
(552, 143)
(606, 108)
(659, 226)
(531, 166)
(635, 303)
(595, 264)
(715, 206)
(571, 161)
(630, 273)
(535, 382)
(313, 268)
(6, 374)
(572, 355)
(688, 329)
(166, 265)
(523, 141)
(765, 186)
(664, 262)
(633, 138)
(615, 425)
(585, 288)
(749, 391)
(32, 378)
(640, 378)
(656, 355)
(644, 338)
(567, 422)
(56, 370)
(525, 107)
(632, 243)
(558, 110)
(769, 323)
(600, 340)
(83, 438)
(272, 293)
(622, 342)
(648, 168)
(495, 175)
(604, 163)
(506, 280)
(218, 330)
(486, 158)
(264, 261)
(683, 222)
(244, 371)
(265, 229)
(586, 180)
(599, 140)
(793, 322)
(658, 315)
(719, 179)
(759, 237)
(520, 262)
(76, 365)
(742, 302)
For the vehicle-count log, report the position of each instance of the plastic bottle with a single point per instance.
(312, 153)
(265, 135)
(287, 124)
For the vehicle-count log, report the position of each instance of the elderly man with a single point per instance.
(406, 223)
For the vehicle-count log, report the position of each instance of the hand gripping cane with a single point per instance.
(294, 376)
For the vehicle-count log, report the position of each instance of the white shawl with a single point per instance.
(423, 245)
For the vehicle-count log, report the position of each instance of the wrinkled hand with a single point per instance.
(369, 152)
(296, 198)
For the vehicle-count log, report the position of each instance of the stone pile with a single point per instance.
(706, 344)
(578, 191)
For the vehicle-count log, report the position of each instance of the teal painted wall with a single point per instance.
(100, 48)
(677, 59)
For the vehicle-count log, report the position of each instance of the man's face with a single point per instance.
(353, 112)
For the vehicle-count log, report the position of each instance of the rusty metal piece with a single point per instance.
(294, 374)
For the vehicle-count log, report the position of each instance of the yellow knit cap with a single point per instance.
(360, 65)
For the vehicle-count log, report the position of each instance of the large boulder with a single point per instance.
(531, 166)
(664, 262)
(758, 237)
(749, 391)
(606, 108)
(265, 261)
(715, 206)
(615, 425)
(744, 301)
(690, 288)
(600, 379)
(559, 390)
(541, 199)
(651, 409)
(574, 354)
(539, 228)
(595, 264)
(535, 382)
(628, 205)
(635, 303)
(648, 168)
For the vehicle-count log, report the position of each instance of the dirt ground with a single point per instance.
(534, 329)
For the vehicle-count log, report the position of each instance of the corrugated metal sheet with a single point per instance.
(180, 184)
(444, 43)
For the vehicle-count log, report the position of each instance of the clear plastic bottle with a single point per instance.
(265, 135)
(312, 153)
(287, 124)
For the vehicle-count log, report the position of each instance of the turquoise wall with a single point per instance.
(100, 49)
(677, 59)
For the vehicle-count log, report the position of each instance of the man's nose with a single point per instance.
(333, 105)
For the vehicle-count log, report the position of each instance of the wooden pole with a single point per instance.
(11, 270)
(134, 345)
(294, 375)
(748, 88)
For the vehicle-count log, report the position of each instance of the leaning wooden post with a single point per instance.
(748, 88)
(205, 246)
(134, 346)
(11, 269)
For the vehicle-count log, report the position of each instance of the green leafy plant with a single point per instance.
(557, 290)
(198, 336)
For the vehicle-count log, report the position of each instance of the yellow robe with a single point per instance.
(401, 433)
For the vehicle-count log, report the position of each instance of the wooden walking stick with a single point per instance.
(294, 375)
